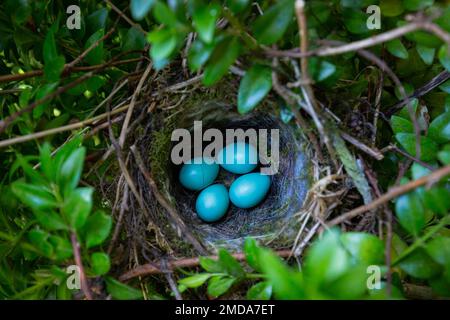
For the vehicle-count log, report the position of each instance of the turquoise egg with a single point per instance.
(249, 190)
(212, 203)
(239, 157)
(198, 176)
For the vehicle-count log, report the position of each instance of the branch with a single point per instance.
(393, 193)
(77, 255)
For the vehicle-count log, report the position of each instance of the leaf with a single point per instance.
(251, 251)
(198, 54)
(444, 57)
(70, 171)
(230, 264)
(400, 124)
(78, 206)
(218, 285)
(439, 129)
(364, 247)
(426, 54)
(260, 291)
(62, 247)
(237, 6)
(355, 21)
(140, 8)
(410, 213)
(223, 56)
(270, 27)
(204, 18)
(42, 92)
(121, 291)
(437, 199)
(321, 69)
(134, 40)
(100, 263)
(414, 5)
(419, 265)
(210, 265)
(439, 249)
(428, 147)
(164, 15)
(97, 229)
(50, 220)
(91, 84)
(391, 8)
(45, 158)
(195, 280)
(97, 20)
(95, 56)
(163, 43)
(397, 49)
(39, 239)
(444, 155)
(34, 196)
(254, 86)
(351, 285)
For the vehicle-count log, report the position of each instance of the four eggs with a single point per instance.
(246, 191)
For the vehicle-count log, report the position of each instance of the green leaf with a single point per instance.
(134, 40)
(270, 27)
(254, 86)
(321, 69)
(419, 265)
(140, 8)
(78, 206)
(91, 84)
(218, 285)
(414, 5)
(71, 170)
(204, 18)
(428, 148)
(444, 155)
(230, 264)
(397, 49)
(45, 158)
(121, 291)
(100, 263)
(400, 124)
(195, 280)
(351, 285)
(223, 56)
(355, 21)
(437, 199)
(198, 54)
(95, 56)
(260, 291)
(211, 265)
(97, 229)
(39, 239)
(439, 129)
(444, 57)
(391, 8)
(426, 54)
(364, 247)
(20, 10)
(34, 196)
(251, 251)
(97, 20)
(163, 43)
(41, 92)
(410, 213)
(164, 15)
(237, 6)
(286, 283)
(62, 247)
(50, 220)
(439, 249)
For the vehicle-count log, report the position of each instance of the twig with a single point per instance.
(148, 269)
(407, 155)
(77, 256)
(393, 193)
(123, 208)
(373, 152)
(124, 17)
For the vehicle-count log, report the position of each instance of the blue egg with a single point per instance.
(195, 176)
(239, 157)
(249, 190)
(212, 203)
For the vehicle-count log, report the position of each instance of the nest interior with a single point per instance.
(270, 221)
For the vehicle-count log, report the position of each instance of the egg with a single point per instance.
(238, 157)
(195, 176)
(212, 203)
(249, 190)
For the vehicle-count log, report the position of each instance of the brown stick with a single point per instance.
(77, 256)
(393, 193)
(147, 269)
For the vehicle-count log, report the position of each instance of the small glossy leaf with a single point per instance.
(211, 265)
(400, 124)
(78, 206)
(321, 69)
(439, 129)
(204, 18)
(260, 291)
(164, 15)
(251, 251)
(50, 220)
(198, 54)
(140, 8)
(41, 92)
(355, 21)
(62, 247)
(223, 56)
(96, 20)
(237, 6)
(414, 5)
(195, 280)
(396, 48)
(410, 213)
(270, 27)
(163, 43)
(444, 57)
(437, 199)
(134, 40)
(39, 239)
(439, 249)
(391, 8)
(254, 86)
(121, 291)
(426, 54)
(34, 196)
(218, 285)
(95, 56)
(420, 265)
(428, 146)
(70, 171)
(97, 229)
(230, 264)
(364, 247)
(444, 155)
(100, 263)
